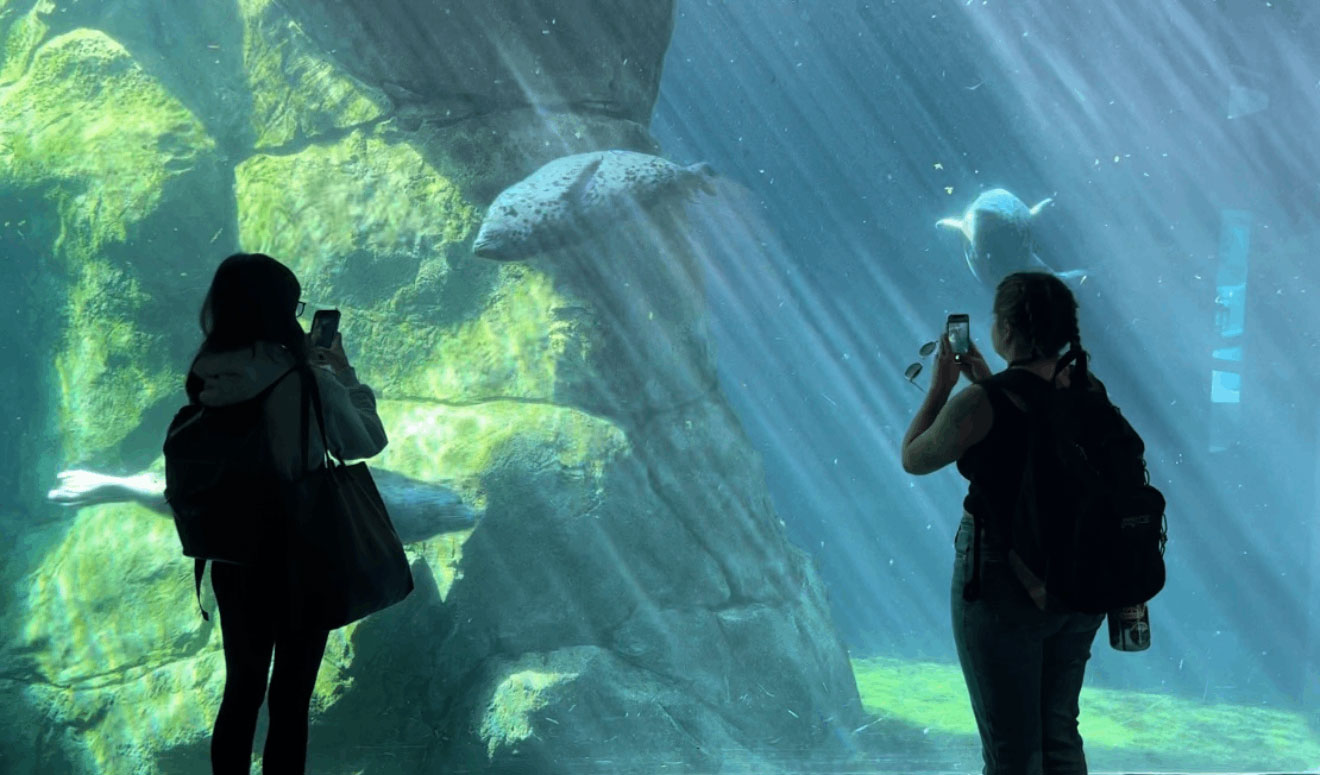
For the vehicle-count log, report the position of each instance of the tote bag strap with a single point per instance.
(311, 397)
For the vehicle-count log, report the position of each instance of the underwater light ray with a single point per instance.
(822, 334)
(1107, 213)
(861, 556)
(834, 330)
(818, 302)
(1147, 201)
(1114, 240)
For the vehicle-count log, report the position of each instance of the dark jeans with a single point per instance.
(1023, 666)
(250, 621)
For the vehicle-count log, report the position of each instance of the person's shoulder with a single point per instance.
(972, 399)
(276, 353)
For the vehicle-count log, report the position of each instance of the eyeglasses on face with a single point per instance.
(298, 310)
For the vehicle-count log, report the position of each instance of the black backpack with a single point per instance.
(221, 485)
(1088, 529)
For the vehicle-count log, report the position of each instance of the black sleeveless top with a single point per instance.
(993, 466)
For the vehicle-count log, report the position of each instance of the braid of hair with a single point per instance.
(1066, 309)
(1030, 329)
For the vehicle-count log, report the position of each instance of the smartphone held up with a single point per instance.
(325, 325)
(958, 330)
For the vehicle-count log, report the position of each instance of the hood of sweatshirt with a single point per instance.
(236, 375)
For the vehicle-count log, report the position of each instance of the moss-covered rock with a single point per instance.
(548, 713)
(122, 660)
(357, 220)
(485, 154)
(22, 28)
(475, 447)
(84, 117)
(297, 93)
(110, 368)
(194, 50)
(117, 164)
(475, 59)
(571, 401)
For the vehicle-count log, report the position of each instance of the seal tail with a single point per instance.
(1073, 276)
(701, 177)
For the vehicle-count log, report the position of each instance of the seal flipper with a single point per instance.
(1041, 205)
(577, 190)
(959, 224)
(1077, 276)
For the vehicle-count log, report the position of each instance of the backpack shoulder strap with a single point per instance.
(1014, 387)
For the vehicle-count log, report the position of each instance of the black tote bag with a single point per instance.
(345, 558)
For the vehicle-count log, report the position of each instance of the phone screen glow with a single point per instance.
(959, 337)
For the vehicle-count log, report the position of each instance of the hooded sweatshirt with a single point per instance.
(352, 427)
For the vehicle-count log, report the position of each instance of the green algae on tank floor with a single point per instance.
(1123, 730)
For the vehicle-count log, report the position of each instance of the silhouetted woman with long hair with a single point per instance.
(254, 351)
(1023, 664)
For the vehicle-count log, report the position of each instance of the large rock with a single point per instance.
(451, 61)
(629, 596)
(102, 165)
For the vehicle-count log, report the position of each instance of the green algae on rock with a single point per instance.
(110, 366)
(21, 33)
(116, 160)
(354, 218)
(85, 119)
(112, 610)
(297, 93)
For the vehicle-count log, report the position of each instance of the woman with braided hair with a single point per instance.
(1023, 664)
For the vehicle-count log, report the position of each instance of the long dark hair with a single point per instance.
(1042, 312)
(253, 298)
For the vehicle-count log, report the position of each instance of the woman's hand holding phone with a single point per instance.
(331, 358)
(948, 366)
(944, 374)
(973, 365)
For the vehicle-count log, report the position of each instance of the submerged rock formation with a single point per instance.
(629, 597)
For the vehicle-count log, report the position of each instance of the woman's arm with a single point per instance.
(943, 430)
(352, 425)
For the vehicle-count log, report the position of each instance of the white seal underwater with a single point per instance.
(572, 198)
(999, 240)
